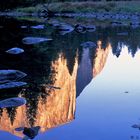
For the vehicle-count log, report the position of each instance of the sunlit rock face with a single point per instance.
(60, 104)
(19, 120)
(58, 108)
(101, 58)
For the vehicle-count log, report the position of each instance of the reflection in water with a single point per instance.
(58, 71)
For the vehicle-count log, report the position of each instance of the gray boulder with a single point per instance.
(11, 75)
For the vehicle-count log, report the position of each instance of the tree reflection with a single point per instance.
(41, 62)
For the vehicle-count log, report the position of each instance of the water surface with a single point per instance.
(73, 92)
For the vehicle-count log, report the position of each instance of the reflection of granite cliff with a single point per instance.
(101, 58)
(87, 70)
(59, 107)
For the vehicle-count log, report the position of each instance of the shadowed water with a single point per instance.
(89, 92)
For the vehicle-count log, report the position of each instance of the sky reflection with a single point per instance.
(104, 110)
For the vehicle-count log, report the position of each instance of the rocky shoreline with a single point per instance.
(116, 19)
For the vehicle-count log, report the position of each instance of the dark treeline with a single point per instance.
(10, 4)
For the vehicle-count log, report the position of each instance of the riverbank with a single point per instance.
(130, 7)
(113, 7)
(119, 13)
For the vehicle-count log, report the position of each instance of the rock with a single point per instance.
(90, 28)
(80, 28)
(15, 51)
(34, 40)
(38, 27)
(11, 75)
(29, 133)
(12, 85)
(88, 44)
(64, 29)
(136, 126)
(12, 102)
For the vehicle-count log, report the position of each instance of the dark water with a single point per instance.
(82, 93)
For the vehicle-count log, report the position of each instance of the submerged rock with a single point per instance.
(11, 75)
(34, 40)
(88, 44)
(38, 27)
(29, 133)
(12, 102)
(15, 51)
(12, 85)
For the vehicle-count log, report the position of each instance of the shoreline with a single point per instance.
(114, 16)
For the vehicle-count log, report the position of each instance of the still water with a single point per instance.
(72, 92)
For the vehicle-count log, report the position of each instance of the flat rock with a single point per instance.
(15, 51)
(34, 40)
(12, 102)
(88, 44)
(11, 75)
(12, 85)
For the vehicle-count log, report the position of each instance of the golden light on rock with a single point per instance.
(59, 107)
(101, 58)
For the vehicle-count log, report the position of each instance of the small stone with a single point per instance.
(15, 51)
